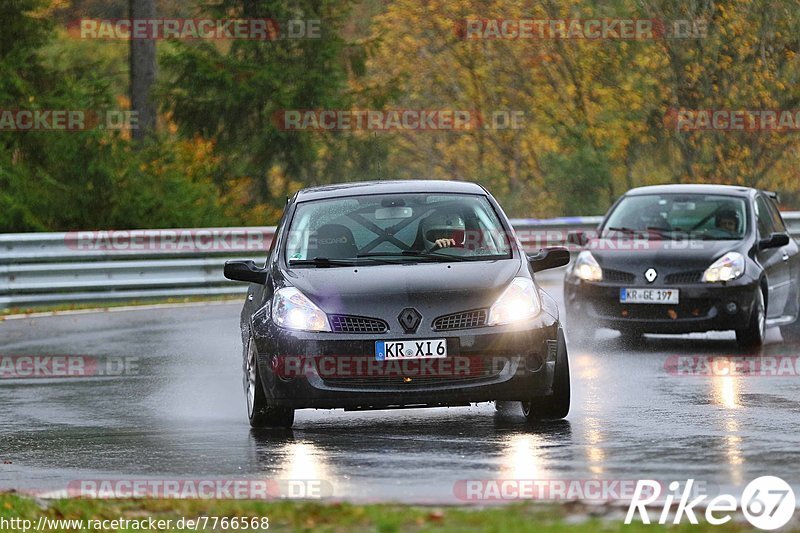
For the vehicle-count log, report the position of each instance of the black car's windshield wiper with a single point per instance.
(431, 256)
(440, 256)
(622, 229)
(322, 261)
(661, 232)
(347, 261)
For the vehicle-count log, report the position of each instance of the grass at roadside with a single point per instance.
(110, 305)
(314, 516)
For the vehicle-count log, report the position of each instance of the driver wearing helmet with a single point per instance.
(443, 230)
(727, 219)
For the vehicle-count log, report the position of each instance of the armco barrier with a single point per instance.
(62, 268)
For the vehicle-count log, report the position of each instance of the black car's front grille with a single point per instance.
(357, 324)
(618, 276)
(680, 278)
(464, 320)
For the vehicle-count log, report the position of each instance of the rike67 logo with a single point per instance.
(767, 502)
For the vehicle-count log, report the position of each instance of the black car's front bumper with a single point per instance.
(701, 307)
(334, 370)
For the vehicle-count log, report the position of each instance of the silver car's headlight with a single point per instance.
(520, 301)
(587, 268)
(292, 310)
(728, 267)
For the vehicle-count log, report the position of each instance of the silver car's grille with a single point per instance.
(464, 320)
(680, 278)
(357, 324)
(618, 276)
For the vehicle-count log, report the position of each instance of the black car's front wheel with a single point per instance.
(752, 336)
(556, 406)
(260, 413)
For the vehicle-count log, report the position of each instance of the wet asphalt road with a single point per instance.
(182, 416)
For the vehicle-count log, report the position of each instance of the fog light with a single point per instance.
(731, 308)
(672, 314)
(533, 363)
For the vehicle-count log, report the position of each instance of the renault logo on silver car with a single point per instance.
(650, 275)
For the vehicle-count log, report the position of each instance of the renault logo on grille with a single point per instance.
(650, 275)
(409, 318)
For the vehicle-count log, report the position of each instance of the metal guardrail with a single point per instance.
(58, 268)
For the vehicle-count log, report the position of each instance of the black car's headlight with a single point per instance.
(292, 310)
(587, 268)
(727, 268)
(520, 301)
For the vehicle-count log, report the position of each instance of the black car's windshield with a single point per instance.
(418, 227)
(678, 216)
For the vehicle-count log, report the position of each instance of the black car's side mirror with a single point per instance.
(776, 240)
(245, 271)
(577, 238)
(547, 258)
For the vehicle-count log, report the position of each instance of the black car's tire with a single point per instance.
(753, 335)
(259, 412)
(556, 406)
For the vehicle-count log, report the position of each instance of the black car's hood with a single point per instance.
(665, 256)
(382, 291)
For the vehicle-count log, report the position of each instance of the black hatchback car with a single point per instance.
(687, 258)
(399, 294)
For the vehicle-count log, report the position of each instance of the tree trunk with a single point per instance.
(143, 72)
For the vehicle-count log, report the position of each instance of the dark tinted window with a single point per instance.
(777, 221)
(763, 217)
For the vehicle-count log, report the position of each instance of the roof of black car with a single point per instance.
(694, 188)
(388, 187)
